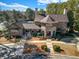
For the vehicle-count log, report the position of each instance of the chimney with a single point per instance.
(36, 11)
(65, 11)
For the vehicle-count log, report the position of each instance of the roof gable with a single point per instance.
(47, 19)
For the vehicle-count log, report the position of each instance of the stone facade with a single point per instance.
(62, 26)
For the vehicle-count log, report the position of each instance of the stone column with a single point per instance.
(45, 30)
(51, 33)
(45, 33)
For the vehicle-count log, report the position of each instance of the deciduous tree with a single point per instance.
(30, 14)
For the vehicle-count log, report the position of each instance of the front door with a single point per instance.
(54, 33)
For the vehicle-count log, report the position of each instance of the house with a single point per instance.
(16, 30)
(53, 23)
(49, 24)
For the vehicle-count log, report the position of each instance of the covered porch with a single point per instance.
(32, 30)
(48, 26)
(49, 32)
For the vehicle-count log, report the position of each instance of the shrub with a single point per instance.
(34, 34)
(57, 48)
(44, 47)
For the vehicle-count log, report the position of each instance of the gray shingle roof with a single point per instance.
(59, 18)
(30, 26)
(48, 19)
(51, 18)
(38, 18)
(16, 25)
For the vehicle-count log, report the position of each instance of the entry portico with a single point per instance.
(48, 26)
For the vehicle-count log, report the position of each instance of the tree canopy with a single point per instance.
(30, 14)
(70, 15)
(73, 11)
(41, 11)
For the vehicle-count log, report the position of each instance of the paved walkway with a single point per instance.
(44, 41)
(50, 46)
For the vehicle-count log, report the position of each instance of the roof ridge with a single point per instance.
(51, 18)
